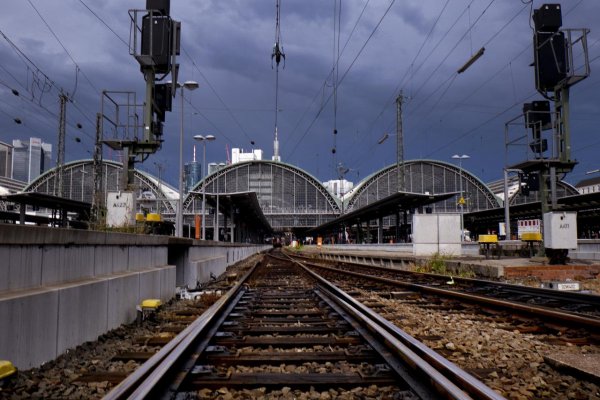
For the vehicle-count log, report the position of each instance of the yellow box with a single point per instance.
(153, 217)
(151, 303)
(6, 369)
(488, 238)
(531, 237)
(139, 217)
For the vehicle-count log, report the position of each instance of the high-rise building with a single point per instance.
(339, 187)
(30, 159)
(6, 156)
(214, 167)
(192, 173)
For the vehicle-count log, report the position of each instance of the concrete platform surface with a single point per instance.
(495, 268)
(586, 365)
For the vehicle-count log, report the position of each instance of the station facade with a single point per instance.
(293, 201)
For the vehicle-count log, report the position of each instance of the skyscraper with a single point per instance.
(192, 173)
(6, 156)
(30, 159)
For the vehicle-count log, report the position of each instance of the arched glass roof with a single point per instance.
(288, 196)
(78, 184)
(425, 177)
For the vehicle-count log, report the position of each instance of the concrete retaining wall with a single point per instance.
(587, 249)
(60, 288)
(205, 259)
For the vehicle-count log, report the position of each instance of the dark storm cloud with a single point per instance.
(231, 44)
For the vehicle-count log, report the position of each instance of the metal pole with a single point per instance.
(399, 144)
(216, 226)
(179, 216)
(462, 229)
(60, 161)
(203, 189)
(506, 206)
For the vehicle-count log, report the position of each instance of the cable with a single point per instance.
(453, 48)
(322, 87)
(196, 67)
(207, 119)
(337, 15)
(488, 80)
(453, 76)
(217, 95)
(468, 132)
(390, 99)
(342, 79)
(105, 24)
(64, 48)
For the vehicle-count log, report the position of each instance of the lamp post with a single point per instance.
(204, 139)
(461, 201)
(189, 85)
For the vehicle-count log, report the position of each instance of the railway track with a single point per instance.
(284, 328)
(566, 308)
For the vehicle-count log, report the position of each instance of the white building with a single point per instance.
(238, 155)
(339, 187)
(590, 185)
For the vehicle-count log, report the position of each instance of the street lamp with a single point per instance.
(204, 139)
(461, 201)
(189, 85)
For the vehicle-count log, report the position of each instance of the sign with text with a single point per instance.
(120, 209)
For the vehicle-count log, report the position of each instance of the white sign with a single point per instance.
(120, 209)
(529, 226)
(560, 230)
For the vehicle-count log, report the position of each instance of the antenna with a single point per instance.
(277, 54)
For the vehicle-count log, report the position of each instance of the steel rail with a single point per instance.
(144, 379)
(533, 291)
(443, 373)
(427, 382)
(524, 308)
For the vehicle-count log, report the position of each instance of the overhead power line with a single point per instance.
(104, 23)
(324, 84)
(78, 68)
(318, 114)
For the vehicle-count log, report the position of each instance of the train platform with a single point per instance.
(401, 256)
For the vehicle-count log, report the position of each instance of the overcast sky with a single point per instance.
(413, 45)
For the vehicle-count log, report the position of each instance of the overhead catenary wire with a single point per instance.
(390, 99)
(453, 75)
(324, 84)
(337, 15)
(78, 68)
(321, 108)
(487, 81)
(104, 23)
(48, 84)
(213, 90)
(451, 78)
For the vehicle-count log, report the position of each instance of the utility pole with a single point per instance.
(399, 144)
(401, 184)
(97, 189)
(60, 159)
